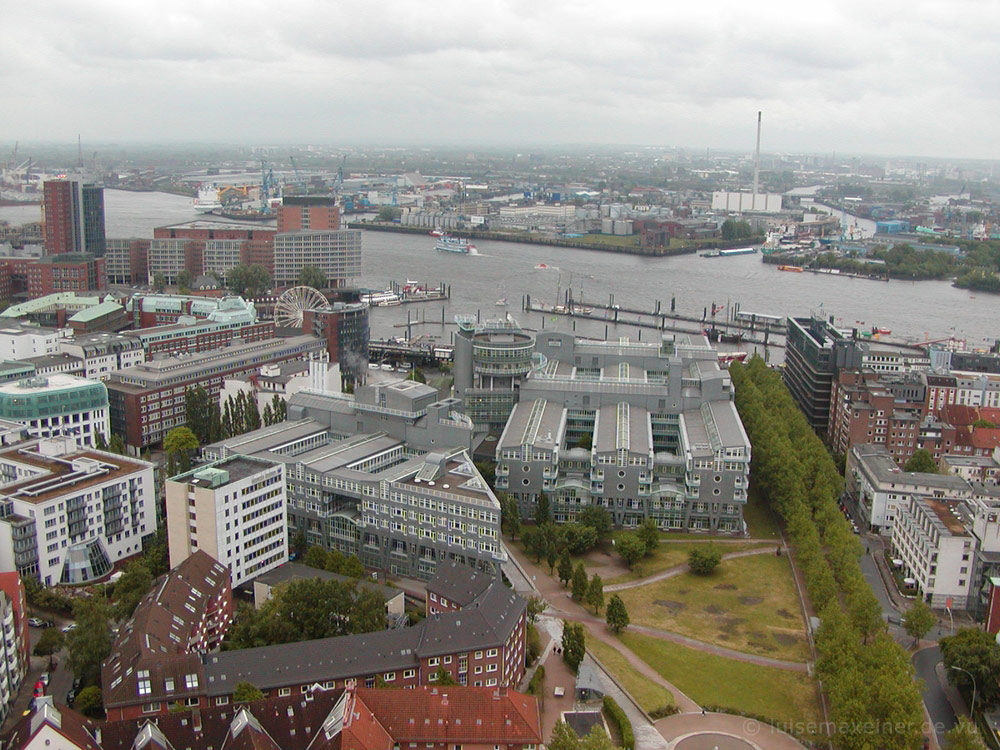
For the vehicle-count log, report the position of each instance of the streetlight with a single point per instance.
(972, 712)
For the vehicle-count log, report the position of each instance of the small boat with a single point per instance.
(542, 267)
(883, 331)
(502, 302)
(437, 232)
(793, 269)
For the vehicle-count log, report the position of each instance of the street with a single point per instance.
(935, 698)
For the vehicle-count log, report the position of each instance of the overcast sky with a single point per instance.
(873, 76)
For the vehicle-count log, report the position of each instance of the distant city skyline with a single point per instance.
(888, 78)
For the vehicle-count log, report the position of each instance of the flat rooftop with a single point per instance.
(60, 476)
(944, 513)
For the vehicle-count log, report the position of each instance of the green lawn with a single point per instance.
(760, 519)
(748, 604)
(649, 695)
(710, 680)
(669, 554)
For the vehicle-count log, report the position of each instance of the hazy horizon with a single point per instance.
(889, 79)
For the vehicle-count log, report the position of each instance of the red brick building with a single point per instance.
(298, 212)
(159, 649)
(73, 214)
(345, 329)
(12, 585)
(480, 646)
(67, 272)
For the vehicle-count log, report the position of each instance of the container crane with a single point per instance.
(268, 187)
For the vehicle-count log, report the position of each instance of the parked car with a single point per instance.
(70, 697)
(77, 684)
(69, 628)
(37, 622)
(39, 690)
(44, 677)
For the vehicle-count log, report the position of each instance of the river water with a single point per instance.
(914, 311)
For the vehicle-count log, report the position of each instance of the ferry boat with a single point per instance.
(387, 298)
(207, 200)
(449, 244)
(793, 269)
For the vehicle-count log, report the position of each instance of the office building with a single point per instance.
(71, 513)
(150, 310)
(308, 212)
(337, 253)
(59, 404)
(223, 320)
(344, 327)
(73, 214)
(19, 341)
(815, 352)
(103, 353)
(126, 261)
(186, 614)
(642, 429)
(147, 399)
(235, 510)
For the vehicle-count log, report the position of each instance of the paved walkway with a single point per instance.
(737, 732)
(683, 568)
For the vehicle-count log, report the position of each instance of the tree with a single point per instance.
(597, 518)
(617, 615)
(442, 678)
(595, 593)
(185, 280)
(649, 535)
(565, 567)
(316, 557)
(179, 444)
(418, 375)
(965, 736)
(630, 548)
(279, 409)
(535, 607)
(388, 213)
(597, 739)
(704, 559)
(918, 620)
(268, 417)
(352, 567)
(580, 583)
(100, 442)
(90, 702)
(198, 413)
(50, 642)
(90, 643)
(312, 276)
(117, 445)
(510, 516)
(563, 738)
(135, 583)
(159, 282)
(977, 652)
(248, 280)
(574, 644)
(586, 441)
(922, 462)
(299, 543)
(244, 692)
(543, 513)
(578, 538)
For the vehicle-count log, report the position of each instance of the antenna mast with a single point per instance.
(756, 159)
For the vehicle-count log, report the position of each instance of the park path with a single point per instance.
(683, 568)
(560, 602)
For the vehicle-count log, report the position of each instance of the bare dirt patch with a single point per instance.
(750, 600)
(714, 609)
(669, 604)
(725, 587)
(785, 613)
(785, 639)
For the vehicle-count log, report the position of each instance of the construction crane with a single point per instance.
(267, 185)
(299, 179)
(339, 182)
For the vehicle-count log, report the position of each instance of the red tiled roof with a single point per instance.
(361, 729)
(456, 715)
(985, 438)
(75, 727)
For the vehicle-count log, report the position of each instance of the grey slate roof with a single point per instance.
(459, 583)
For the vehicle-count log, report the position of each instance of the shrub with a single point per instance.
(619, 717)
(536, 685)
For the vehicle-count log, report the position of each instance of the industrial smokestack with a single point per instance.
(756, 159)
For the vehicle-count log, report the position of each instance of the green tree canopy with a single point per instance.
(597, 518)
(443, 678)
(704, 559)
(918, 620)
(563, 738)
(248, 280)
(617, 615)
(922, 462)
(543, 513)
(580, 583)
(649, 534)
(965, 736)
(179, 444)
(185, 279)
(244, 692)
(312, 276)
(159, 282)
(90, 702)
(595, 593)
(977, 652)
(135, 583)
(565, 567)
(51, 641)
(630, 548)
(90, 643)
(574, 644)
(198, 413)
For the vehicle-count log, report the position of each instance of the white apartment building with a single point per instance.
(963, 388)
(933, 541)
(235, 510)
(21, 342)
(70, 513)
(335, 252)
(880, 488)
(221, 255)
(103, 353)
(59, 404)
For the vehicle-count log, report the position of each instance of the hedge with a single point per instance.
(618, 716)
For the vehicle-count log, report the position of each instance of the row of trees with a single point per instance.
(308, 609)
(333, 561)
(867, 675)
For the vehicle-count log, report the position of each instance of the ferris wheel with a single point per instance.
(289, 309)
